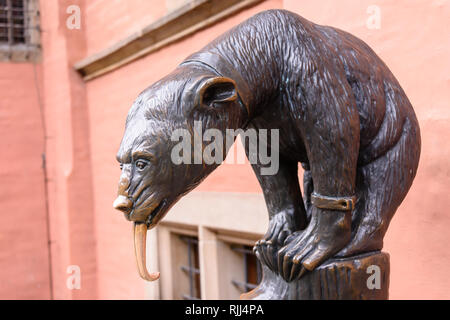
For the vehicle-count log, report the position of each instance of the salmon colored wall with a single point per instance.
(85, 124)
(73, 239)
(413, 41)
(118, 20)
(24, 260)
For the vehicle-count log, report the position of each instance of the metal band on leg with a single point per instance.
(333, 203)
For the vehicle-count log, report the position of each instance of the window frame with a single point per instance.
(218, 264)
(192, 268)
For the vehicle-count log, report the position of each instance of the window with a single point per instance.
(19, 30)
(191, 268)
(12, 21)
(198, 262)
(251, 269)
(239, 270)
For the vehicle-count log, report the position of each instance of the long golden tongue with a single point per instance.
(140, 238)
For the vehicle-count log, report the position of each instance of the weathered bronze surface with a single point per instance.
(335, 279)
(340, 113)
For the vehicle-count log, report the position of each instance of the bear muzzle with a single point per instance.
(123, 204)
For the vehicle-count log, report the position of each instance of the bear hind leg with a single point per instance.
(381, 187)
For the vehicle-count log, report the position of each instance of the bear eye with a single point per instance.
(141, 164)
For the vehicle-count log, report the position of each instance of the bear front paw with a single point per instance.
(327, 233)
(280, 227)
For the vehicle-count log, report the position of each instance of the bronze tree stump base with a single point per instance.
(336, 279)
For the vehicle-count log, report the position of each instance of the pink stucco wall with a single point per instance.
(107, 23)
(84, 128)
(24, 260)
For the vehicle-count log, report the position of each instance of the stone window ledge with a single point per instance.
(19, 53)
(194, 16)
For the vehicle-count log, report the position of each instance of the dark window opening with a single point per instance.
(13, 22)
(192, 269)
(252, 269)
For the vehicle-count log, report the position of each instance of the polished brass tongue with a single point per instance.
(140, 238)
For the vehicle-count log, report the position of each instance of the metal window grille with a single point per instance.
(13, 21)
(252, 269)
(19, 30)
(192, 269)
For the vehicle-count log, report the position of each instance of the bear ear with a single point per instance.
(217, 90)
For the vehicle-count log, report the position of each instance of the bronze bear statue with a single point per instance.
(340, 113)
